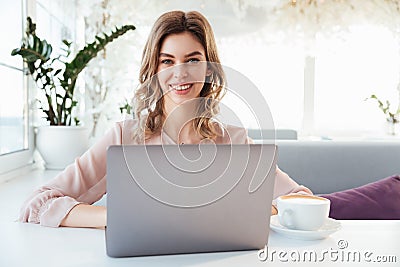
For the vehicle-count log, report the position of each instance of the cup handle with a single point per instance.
(287, 217)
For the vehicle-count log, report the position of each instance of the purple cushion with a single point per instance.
(377, 200)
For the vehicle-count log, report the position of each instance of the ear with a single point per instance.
(209, 72)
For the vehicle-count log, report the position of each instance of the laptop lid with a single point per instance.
(170, 199)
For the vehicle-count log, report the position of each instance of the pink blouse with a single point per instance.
(84, 181)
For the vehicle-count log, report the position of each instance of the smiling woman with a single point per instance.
(174, 104)
(181, 73)
(175, 58)
(186, 79)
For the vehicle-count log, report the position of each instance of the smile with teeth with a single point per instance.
(181, 87)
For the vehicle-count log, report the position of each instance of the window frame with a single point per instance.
(17, 160)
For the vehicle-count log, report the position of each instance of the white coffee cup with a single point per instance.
(303, 212)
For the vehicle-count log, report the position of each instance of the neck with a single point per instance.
(178, 123)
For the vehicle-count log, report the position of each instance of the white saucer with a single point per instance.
(328, 228)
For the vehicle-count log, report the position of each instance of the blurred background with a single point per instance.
(315, 62)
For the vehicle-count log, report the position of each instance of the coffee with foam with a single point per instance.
(304, 201)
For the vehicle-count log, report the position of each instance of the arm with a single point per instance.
(283, 185)
(83, 215)
(81, 182)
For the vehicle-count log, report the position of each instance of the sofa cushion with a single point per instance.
(376, 200)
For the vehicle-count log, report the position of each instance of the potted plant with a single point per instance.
(56, 77)
(392, 116)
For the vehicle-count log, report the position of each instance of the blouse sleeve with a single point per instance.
(284, 184)
(81, 182)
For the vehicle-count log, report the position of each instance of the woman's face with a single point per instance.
(182, 69)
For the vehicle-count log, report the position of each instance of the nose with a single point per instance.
(180, 71)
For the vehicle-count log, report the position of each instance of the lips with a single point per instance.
(181, 89)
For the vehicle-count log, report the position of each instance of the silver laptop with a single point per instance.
(170, 199)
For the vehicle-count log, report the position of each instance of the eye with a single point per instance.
(166, 61)
(193, 60)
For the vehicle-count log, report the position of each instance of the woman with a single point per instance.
(178, 106)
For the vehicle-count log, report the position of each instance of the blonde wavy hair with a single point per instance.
(148, 100)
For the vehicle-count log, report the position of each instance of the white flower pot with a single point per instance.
(60, 145)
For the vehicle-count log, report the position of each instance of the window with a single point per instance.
(18, 110)
(322, 94)
(16, 144)
(366, 63)
(276, 71)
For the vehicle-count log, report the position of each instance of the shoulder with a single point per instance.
(126, 129)
(127, 124)
(232, 134)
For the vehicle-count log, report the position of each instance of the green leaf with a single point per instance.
(48, 50)
(67, 43)
(30, 41)
(15, 51)
(57, 72)
(101, 40)
(37, 54)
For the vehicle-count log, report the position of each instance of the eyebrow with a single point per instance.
(195, 53)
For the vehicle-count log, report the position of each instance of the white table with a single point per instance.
(33, 245)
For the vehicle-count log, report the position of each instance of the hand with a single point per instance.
(274, 210)
(83, 215)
